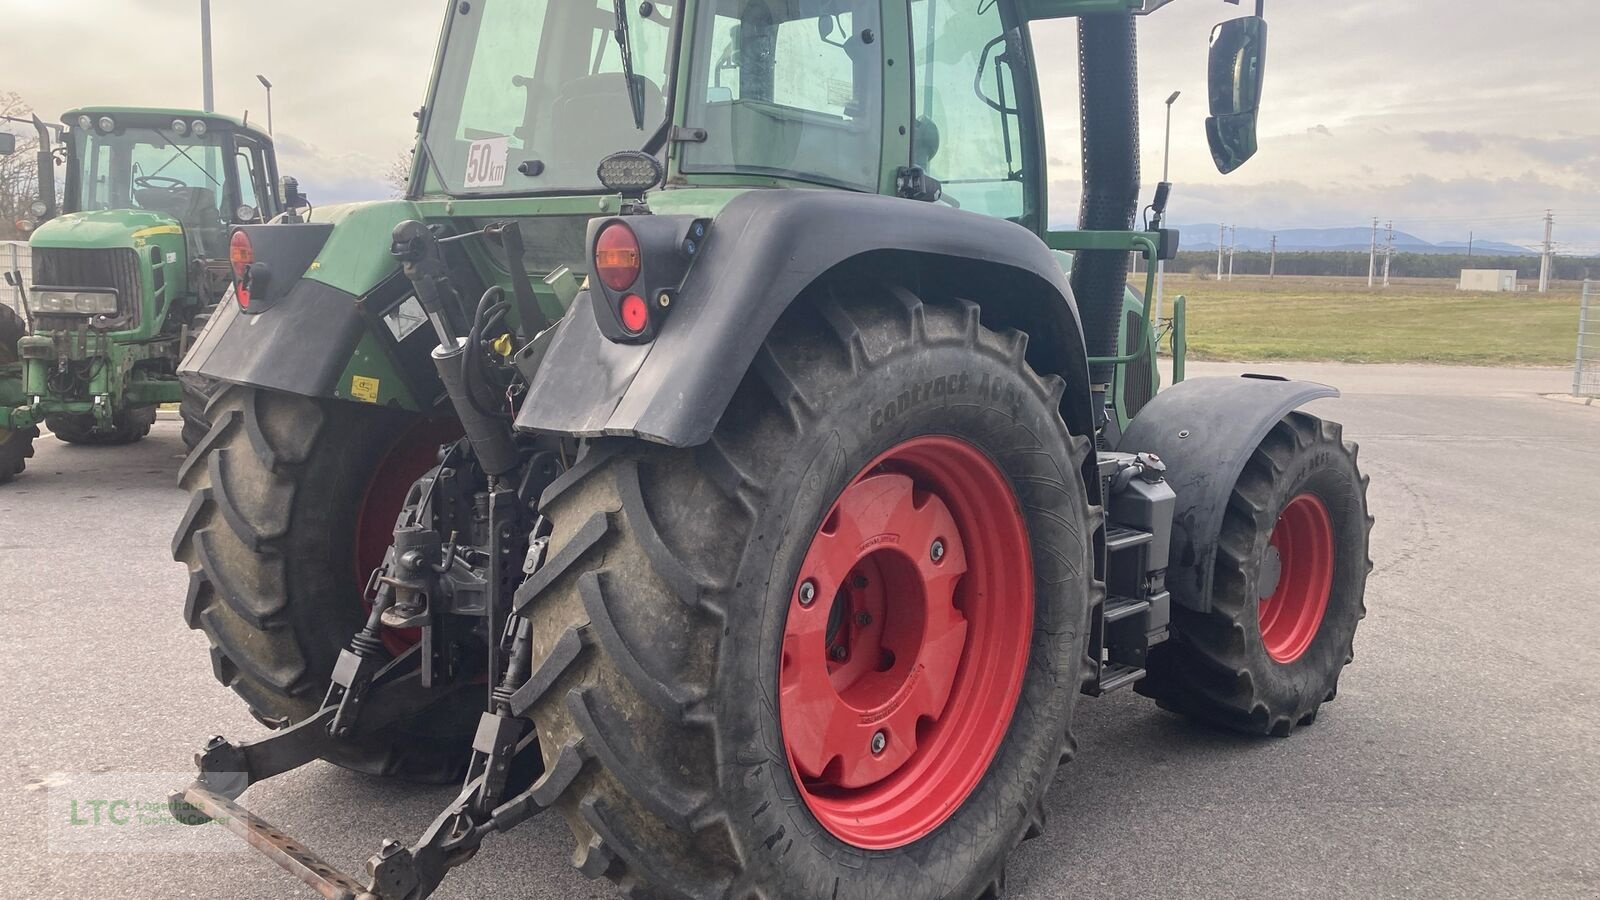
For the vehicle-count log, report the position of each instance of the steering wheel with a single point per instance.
(159, 181)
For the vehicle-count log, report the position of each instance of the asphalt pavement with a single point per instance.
(1459, 759)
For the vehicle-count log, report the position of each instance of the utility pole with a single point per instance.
(1272, 263)
(1372, 258)
(1549, 252)
(1388, 254)
(205, 56)
(1222, 237)
(1233, 244)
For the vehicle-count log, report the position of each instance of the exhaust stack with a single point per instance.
(1108, 74)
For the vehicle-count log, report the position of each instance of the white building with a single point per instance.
(1488, 280)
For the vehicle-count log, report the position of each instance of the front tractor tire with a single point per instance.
(127, 426)
(292, 501)
(834, 652)
(1291, 573)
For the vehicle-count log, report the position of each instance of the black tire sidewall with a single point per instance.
(1325, 470)
(983, 397)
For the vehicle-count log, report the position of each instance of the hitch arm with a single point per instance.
(226, 768)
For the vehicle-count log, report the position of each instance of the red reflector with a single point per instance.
(616, 257)
(635, 313)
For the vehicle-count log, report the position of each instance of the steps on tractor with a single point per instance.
(1121, 537)
(1114, 676)
(1118, 608)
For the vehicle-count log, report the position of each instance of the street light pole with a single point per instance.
(1166, 160)
(205, 57)
(268, 85)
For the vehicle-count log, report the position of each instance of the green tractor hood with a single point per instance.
(132, 229)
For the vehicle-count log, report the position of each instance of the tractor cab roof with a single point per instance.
(160, 117)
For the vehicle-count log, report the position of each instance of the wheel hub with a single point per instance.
(1297, 578)
(906, 642)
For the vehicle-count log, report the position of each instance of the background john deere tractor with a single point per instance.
(719, 425)
(125, 275)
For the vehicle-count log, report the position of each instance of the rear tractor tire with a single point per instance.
(16, 444)
(197, 393)
(292, 502)
(16, 448)
(1291, 573)
(835, 651)
(127, 426)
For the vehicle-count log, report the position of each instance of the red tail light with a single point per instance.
(616, 256)
(241, 254)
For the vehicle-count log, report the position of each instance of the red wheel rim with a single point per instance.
(409, 458)
(906, 642)
(1291, 615)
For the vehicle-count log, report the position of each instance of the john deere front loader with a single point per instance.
(135, 260)
(719, 448)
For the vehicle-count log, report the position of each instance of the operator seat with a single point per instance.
(597, 106)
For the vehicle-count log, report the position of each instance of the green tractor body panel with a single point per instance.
(149, 195)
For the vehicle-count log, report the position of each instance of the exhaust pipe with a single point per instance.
(1108, 74)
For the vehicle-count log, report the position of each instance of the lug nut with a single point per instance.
(936, 552)
(808, 592)
(879, 741)
(858, 582)
(863, 619)
(837, 652)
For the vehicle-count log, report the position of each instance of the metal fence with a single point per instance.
(14, 257)
(1586, 365)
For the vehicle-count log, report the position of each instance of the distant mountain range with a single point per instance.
(1292, 240)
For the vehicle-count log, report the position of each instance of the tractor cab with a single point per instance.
(203, 171)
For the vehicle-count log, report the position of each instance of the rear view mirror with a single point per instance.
(1238, 64)
(8, 143)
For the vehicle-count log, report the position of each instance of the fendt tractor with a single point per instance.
(122, 279)
(718, 446)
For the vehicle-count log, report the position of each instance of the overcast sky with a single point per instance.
(1443, 115)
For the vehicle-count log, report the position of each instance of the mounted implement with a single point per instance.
(127, 272)
(718, 447)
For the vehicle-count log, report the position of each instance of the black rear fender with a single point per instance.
(763, 251)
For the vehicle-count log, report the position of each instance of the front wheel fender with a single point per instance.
(1205, 430)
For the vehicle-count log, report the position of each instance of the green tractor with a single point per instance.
(718, 446)
(122, 279)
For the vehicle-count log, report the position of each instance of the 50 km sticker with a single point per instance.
(486, 163)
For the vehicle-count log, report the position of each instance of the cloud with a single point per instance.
(1322, 130)
(1452, 141)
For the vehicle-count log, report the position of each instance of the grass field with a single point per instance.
(1414, 320)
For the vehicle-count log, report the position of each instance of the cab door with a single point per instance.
(975, 124)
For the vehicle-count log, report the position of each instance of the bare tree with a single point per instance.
(19, 172)
(398, 175)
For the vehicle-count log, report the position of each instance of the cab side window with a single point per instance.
(967, 129)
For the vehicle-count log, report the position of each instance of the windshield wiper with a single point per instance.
(185, 155)
(635, 89)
